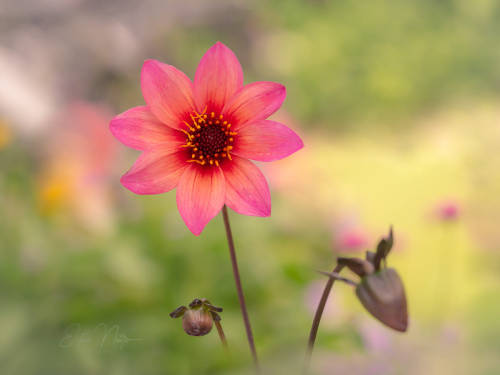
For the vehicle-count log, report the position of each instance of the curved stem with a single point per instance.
(239, 289)
(317, 318)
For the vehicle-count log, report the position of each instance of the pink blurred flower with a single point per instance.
(198, 136)
(349, 236)
(447, 210)
(352, 239)
(355, 363)
(376, 338)
(334, 311)
(451, 334)
(75, 175)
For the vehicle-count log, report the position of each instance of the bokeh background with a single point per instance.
(398, 103)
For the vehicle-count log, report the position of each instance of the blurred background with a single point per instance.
(398, 106)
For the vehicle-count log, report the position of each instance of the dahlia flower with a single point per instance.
(198, 136)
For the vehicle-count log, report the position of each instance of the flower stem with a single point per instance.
(221, 334)
(239, 289)
(317, 319)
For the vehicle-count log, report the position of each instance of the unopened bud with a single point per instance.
(382, 294)
(197, 322)
(198, 318)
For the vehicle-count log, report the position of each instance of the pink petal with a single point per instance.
(168, 92)
(266, 141)
(247, 191)
(218, 77)
(140, 129)
(254, 102)
(156, 171)
(200, 196)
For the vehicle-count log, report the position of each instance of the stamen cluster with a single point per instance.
(209, 138)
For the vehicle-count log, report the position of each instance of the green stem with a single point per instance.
(239, 288)
(317, 319)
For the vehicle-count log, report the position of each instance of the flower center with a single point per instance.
(208, 138)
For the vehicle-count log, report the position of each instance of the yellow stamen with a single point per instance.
(193, 131)
(197, 161)
(190, 128)
(199, 117)
(192, 118)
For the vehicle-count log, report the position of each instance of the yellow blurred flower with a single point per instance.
(5, 134)
(74, 179)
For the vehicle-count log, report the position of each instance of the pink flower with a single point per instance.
(198, 136)
(334, 310)
(350, 236)
(353, 239)
(448, 210)
(376, 337)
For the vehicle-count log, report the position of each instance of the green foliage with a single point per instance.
(351, 61)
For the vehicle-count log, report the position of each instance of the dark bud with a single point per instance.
(383, 249)
(360, 267)
(336, 276)
(197, 322)
(211, 307)
(198, 318)
(196, 303)
(383, 295)
(370, 257)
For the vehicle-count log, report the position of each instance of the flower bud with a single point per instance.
(197, 322)
(382, 294)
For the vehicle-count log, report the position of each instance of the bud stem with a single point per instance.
(317, 318)
(221, 334)
(239, 288)
(336, 276)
